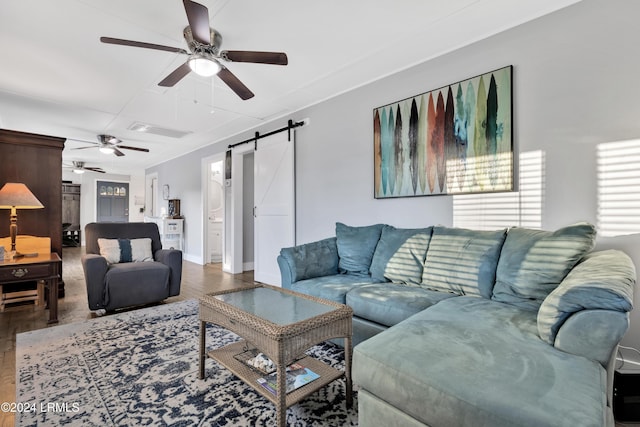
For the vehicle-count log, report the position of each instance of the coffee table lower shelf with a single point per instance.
(226, 357)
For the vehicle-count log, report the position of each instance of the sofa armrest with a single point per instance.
(285, 272)
(601, 281)
(594, 334)
(173, 259)
(310, 260)
(94, 267)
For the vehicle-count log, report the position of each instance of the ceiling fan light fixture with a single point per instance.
(203, 66)
(78, 171)
(107, 150)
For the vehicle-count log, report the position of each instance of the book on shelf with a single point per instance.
(297, 376)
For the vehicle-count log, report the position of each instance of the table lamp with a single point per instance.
(17, 196)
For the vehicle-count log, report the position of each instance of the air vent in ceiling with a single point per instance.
(157, 130)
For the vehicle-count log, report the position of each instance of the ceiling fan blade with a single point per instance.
(146, 150)
(235, 84)
(117, 152)
(275, 58)
(84, 148)
(122, 42)
(175, 76)
(198, 16)
(94, 170)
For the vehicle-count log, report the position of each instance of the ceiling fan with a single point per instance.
(204, 52)
(79, 168)
(111, 145)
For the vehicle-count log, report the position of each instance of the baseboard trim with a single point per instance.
(193, 258)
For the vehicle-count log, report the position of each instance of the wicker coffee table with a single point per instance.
(281, 324)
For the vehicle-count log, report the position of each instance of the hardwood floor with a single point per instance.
(196, 281)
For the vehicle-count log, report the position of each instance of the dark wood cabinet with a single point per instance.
(35, 160)
(71, 233)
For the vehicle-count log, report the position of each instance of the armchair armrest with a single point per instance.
(598, 291)
(173, 259)
(94, 267)
(310, 260)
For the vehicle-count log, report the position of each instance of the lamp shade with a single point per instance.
(17, 195)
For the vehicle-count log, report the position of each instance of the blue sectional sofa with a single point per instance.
(458, 327)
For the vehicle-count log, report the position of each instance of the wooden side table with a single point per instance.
(45, 267)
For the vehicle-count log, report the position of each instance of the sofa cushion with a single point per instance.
(534, 262)
(333, 288)
(462, 261)
(399, 255)
(313, 259)
(388, 304)
(126, 250)
(356, 246)
(604, 280)
(480, 363)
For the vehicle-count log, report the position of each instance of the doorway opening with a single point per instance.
(215, 212)
(151, 195)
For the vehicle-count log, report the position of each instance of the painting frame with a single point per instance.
(457, 139)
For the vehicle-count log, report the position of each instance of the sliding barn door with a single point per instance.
(274, 201)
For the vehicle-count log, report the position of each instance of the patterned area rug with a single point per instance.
(141, 368)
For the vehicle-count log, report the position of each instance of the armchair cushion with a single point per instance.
(143, 282)
(126, 250)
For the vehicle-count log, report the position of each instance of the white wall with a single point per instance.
(575, 87)
(184, 177)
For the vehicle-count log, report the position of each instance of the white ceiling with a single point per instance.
(56, 78)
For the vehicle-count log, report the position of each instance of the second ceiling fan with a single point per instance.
(204, 52)
(109, 144)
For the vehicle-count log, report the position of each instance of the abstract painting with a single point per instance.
(453, 140)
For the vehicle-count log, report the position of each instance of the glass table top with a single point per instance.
(275, 306)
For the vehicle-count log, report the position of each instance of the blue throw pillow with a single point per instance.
(400, 254)
(462, 261)
(356, 246)
(534, 262)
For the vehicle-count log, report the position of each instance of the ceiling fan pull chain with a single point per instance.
(212, 87)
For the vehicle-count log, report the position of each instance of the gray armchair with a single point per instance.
(120, 285)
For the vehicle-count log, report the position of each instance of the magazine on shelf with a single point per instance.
(297, 376)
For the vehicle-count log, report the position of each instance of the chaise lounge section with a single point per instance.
(461, 327)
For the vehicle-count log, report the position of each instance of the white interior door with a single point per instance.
(274, 204)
